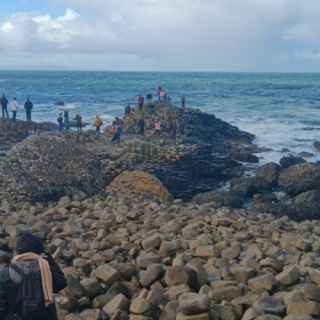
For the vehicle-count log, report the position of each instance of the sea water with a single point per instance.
(282, 110)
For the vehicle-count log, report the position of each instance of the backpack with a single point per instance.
(29, 299)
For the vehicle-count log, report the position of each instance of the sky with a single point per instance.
(161, 35)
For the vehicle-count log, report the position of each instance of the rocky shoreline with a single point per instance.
(148, 229)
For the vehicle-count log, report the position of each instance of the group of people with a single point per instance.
(13, 106)
(29, 280)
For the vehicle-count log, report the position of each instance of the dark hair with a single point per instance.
(28, 242)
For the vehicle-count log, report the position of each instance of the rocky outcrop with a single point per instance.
(190, 125)
(45, 167)
(14, 132)
(139, 182)
(198, 158)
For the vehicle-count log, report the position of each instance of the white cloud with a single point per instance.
(246, 35)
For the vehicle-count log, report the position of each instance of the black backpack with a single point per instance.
(28, 298)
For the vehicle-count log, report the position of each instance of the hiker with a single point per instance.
(127, 110)
(66, 120)
(157, 127)
(140, 102)
(28, 106)
(14, 109)
(78, 120)
(28, 282)
(118, 127)
(4, 106)
(98, 123)
(60, 122)
(141, 125)
(183, 102)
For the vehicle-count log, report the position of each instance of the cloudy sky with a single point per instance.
(165, 35)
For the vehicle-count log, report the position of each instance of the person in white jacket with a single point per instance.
(14, 109)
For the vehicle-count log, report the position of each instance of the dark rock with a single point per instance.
(316, 145)
(269, 173)
(300, 178)
(308, 204)
(291, 160)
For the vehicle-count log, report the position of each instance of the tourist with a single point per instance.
(60, 122)
(118, 127)
(78, 120)
(159, 89)
(66, 120)
(149, 97)
(140, 102)
(183, 102)
(127, 110)
(157, 127)
(141, 125)
(163, 96)
(98, 123)
(14, 109)
(4, 106)
(31, 271)
(28, 106)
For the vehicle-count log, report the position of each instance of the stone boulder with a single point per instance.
(269, 173)
(139, 182)
(46, 167)
(300, 178)
(308, 204)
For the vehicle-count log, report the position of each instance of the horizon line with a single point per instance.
(152, 71)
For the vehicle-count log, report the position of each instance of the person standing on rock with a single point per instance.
(66, 120)
(183, 102)
(60, 122)
(118, 125)
(140, 102)
(78, 120)
(157, 127)
(98, 123)
(14, 109)
(141, 125)
(29, 281)
(28, 106)
(4, 106)
(159, 89)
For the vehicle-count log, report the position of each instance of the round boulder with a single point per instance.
(139, 182)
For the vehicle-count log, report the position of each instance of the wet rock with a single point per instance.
(289, 161)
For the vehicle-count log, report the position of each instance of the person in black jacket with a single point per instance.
(4, 106)
(27, 244)
(28, 106)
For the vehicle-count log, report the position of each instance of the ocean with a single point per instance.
(282, 110)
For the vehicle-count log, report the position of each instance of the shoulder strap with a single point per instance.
(17, 270)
